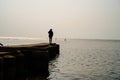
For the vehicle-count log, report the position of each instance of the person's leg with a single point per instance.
(50, 40)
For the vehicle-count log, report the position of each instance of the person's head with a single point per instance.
(50, 29)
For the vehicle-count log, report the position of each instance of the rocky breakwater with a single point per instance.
(20, 61)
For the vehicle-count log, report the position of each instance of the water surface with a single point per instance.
(87, 60)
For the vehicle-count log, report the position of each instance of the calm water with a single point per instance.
(87, 60)
(83, 60)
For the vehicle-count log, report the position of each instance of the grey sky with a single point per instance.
(69, 18)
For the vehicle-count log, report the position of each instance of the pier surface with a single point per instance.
(28, 59)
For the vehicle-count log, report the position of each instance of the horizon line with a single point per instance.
(41, 38)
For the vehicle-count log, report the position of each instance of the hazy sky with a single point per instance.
(68, 18)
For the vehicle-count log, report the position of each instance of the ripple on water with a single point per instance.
(88, 60)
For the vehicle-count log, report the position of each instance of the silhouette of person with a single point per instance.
(50, 32)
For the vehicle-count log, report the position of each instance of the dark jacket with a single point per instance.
(50, 33)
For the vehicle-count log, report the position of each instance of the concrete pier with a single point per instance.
(29, 59)
(1, 68)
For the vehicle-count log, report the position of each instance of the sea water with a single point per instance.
(82, 59)
(87, 60)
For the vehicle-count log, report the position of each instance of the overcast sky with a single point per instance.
(98, 19)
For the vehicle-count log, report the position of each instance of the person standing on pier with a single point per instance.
(50, 32)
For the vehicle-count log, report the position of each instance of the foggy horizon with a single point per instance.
(74, 19)
(54, 38)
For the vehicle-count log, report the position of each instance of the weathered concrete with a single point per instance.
(41, 48)
(26, 59)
